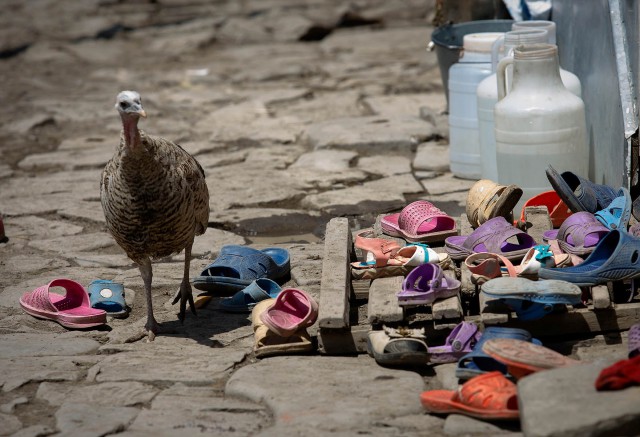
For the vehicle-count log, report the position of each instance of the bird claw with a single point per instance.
(152, 329)
(184, 295)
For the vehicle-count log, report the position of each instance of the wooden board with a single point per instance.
(600, 297)
(335, 282)
(492, 311)
(383, 302)
(343, 341)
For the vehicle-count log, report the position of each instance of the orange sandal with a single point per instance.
(488, 396)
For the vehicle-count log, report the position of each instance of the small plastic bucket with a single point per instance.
(447, 41)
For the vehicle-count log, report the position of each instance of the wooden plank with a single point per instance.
(343, 341)
(493, 311)
(600, 297)
(377, 229)
(449, 308)
(335, 282)
(537, 221)
(383, 302)
(361, 288)
(464, 227)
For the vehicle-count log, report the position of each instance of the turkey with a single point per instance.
(155, 201)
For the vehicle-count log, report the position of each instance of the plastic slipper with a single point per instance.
(618, 213)
(73, 310)
(615, 258)
(485, 266)
(558, 210)
(238, 266)
(268, 343)
(490, 396)
(579, 234)
(459, 342)
(398, 347)
(244, 300)
(493, 236)
(421, 222)
(634, 340)
(107, 295)
(523, 358)
(426, 283)
(578, 193)
(532, 300)
(487, 199)
(293, 309)
(477, 362)
(377, 250)
(622, 374)
(405, 260)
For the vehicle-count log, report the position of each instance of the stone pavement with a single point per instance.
(298, 112)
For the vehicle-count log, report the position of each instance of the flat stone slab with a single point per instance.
(33, 263)
(325, 160)
(84, 242)
(448, 183)
(325, 106)
(188, 410)
(95, 157)
(120, 394)
(15, 372)
(385, 165)
(9, 424)
(39, 228)
(210, 243)
(370, 135)
(564, 402)
(253, 222)
(79, 419)
(432, 156)
(384, 194)
(401, 104)
(457, 425)
(38, 345)
(351, 380)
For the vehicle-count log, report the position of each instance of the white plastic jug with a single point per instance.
(538, 122)
(549, 26)
(487, 95)
(464, 76)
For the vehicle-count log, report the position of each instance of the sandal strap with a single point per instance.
(579, 226)
(488, 265)
(424, 278)
(462, 335)
(382, 248)
(491, 391)
(416, 213)
(492, 234)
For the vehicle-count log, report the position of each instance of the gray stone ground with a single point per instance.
(298, 112)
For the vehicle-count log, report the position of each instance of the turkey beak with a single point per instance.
(142, 113)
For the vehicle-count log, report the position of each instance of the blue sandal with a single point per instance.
(107, 295)
(618, 213)
(238, 266)
(244, 300)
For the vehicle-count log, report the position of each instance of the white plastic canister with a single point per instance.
(538, 122)
(464, 77)
(549, 26)
(487, 94)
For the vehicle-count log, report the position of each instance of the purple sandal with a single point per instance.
(425, 284)
(492, 236)
(579, 234)
(460, 342)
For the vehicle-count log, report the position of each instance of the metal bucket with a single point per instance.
(447, 41)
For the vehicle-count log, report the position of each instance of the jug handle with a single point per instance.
(495, 50)
(501, 74)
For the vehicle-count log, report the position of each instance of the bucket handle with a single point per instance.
(495, 50)
(501, 74)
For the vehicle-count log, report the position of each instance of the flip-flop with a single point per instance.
(532, 300)
(406, 259)
(293, 309)
(244, 300)
(478, 362)
(458, 343)
(615, 258)
(398, 347)
(523, 358)
(618, 213)
(267, 343)
(493, 236)
(579, 234)
(426, 283)
(490, 396)
(73, 310)
(377, 251)
(558, 210)
(237, 266)
(578, 193)
(487, 199)
(108, 295)
(420, 222)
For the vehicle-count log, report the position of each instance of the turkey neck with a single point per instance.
(131, 132)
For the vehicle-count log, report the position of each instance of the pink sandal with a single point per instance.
(420, 221)
(292, 310)
(72, 310)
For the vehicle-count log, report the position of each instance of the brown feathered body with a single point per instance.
(155, 198)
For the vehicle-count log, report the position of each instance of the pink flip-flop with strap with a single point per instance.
(293, 309)
(73, 310)
(420, 221)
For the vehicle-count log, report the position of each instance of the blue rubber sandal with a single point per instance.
(618, 213)
(107, 295)
(478, 362)
(578, 193)
(238, 266)
(532, 300)
(244, 300)
(615, 258)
